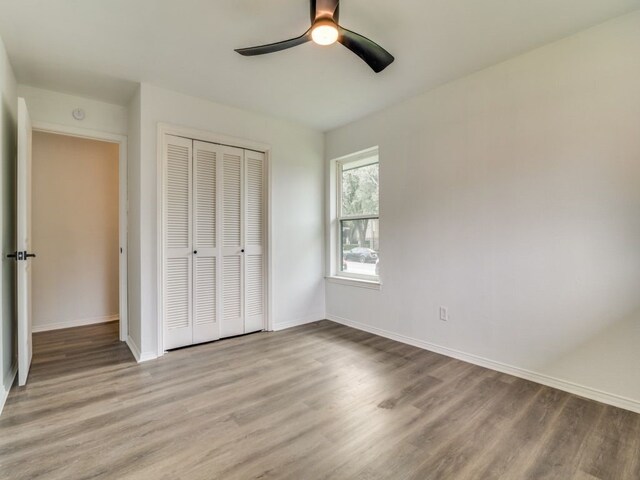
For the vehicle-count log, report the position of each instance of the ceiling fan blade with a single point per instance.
(326, 9)
(275, 47)
(373, 54)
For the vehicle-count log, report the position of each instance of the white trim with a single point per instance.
(140, 357)
(8, 381)
(78, 132)
(123, 241)
(146, 356)
(355, 282)
(564, 385)
(357, 277)
(359, 155)
(160, 173)
(331, 230)
(134, 348)
(269, 324)
(75, 323)
(299, 321)
(205, 136)
(335, 254)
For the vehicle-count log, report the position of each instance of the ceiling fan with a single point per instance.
(325, 30)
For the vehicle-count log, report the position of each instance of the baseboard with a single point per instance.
(299, 321)
(140, 357)
(146, 356)
(134, 348)
(564, 385)
(8, 381)
(74, 323)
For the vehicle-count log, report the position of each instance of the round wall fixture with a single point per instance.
(78, 114)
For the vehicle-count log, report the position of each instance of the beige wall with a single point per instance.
(75, 231)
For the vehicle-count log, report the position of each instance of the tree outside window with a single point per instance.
(358, 213)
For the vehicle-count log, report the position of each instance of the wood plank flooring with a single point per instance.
(321, 401)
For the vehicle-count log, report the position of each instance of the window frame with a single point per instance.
(367, 157)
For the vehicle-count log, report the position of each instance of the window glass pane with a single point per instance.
(360, 243)
(359, 189)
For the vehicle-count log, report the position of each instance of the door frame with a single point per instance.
(121, 141)
(210, 137)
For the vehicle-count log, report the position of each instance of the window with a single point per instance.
(357, 213)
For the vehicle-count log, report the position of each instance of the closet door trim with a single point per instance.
(164, 129)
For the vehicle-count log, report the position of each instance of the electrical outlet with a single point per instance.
(444, 314)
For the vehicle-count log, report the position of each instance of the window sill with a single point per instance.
(355, 282)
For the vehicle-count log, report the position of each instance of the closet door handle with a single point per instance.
(242, 251)
(195, 252)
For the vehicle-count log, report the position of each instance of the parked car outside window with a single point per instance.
(361, 254)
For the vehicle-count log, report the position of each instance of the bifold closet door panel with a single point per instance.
(232, 242)
(178, 262)
(214, 241)
(206, 326)
(254, 228)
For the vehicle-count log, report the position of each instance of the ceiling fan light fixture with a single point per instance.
(324, 32)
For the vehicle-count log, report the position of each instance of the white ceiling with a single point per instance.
(102, 48)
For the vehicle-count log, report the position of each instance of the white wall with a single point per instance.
(75, 231)
(297, 183)
(46, 106)
(512, 197)
(8, 118)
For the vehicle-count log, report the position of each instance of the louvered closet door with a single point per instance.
(206, 326)
(232, 284)
(254, 267)
(178, 325)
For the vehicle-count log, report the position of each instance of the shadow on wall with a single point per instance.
(8, 175)
(609, 357)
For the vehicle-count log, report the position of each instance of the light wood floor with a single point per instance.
(321, 401)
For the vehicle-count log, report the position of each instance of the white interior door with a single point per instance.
(205, 252)
(232, 286)
(24, 254)
(254, 233)
(178, 231)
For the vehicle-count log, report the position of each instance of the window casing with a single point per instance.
(357, 222)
